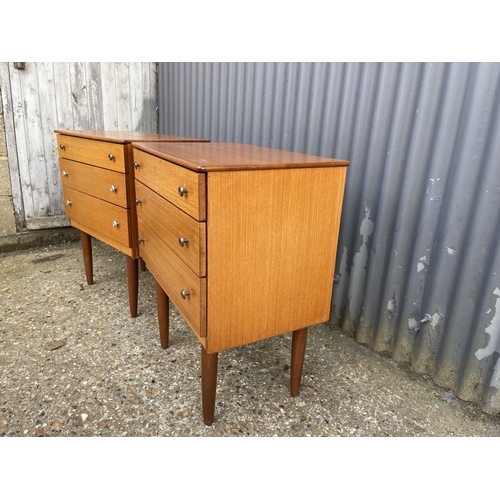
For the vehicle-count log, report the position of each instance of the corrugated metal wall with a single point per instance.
(419, 259)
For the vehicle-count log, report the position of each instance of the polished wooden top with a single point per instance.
(125, 136)
(214, 156)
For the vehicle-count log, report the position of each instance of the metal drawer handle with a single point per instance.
(113, 189)
(183, 241)
(182, 191)
(64, 173)
(140, 240)
(111, 157)
(138, 202)
(184, 294)
(62, 146)
(137, 166)
(115, 223)
(68, 202)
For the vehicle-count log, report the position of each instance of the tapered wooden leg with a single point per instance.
(162, 303)
(143, 265)
(208, 384)
(298, 350)
(87, 257)
(133, 285)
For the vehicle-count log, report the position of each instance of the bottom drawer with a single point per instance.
(175, 277)
(109, 221)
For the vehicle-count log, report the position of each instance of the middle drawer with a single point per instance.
(185, 236)
(104, 184)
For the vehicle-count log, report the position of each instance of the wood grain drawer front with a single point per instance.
(99, 182)
(185, 236)
(175, 278)
(108, 220)
(182, 187)
(99, 153)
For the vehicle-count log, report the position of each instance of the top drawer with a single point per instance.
(100, 153)
(182, 187)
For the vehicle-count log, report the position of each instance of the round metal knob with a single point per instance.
(64, 173)
(62, 146)
(68, 202)
(138, 202)
(115, 223)
(136, 165)
(140, 240)
(113, 189)
(182, 191)
(111, 157)
(184, 294)
(183, 241)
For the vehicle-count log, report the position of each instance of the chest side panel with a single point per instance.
(272, 238)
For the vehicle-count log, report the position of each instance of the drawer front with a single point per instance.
(174, 277)
(99, 182)
(171, 224)
(99, 153)
(182, 187)
(108, 220)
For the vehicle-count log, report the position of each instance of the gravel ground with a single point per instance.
(73, 363)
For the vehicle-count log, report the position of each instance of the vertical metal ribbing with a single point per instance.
(420, 224)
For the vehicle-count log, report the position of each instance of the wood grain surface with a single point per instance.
(92, 152)
(205, 157)
(95, 181)
(174, 276)
(165, 178)
(170, 223)
(272, 239)
(99, 215)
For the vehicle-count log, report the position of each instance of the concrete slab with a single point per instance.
(73, 363)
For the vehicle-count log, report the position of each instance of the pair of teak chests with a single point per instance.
(242, 239)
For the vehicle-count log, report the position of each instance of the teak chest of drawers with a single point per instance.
(99, 193)
(242, 239)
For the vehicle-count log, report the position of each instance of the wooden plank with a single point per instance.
(136, 96)
(34, 161)
(63, 97)
(110, 115)
(79, 93)
(96, 119)
(48, 116)
(21, 141)
(122, 95)
(36, 223)
(10, 138)
(272, 237)
(147, 106)
(152, 92)
(63, 112)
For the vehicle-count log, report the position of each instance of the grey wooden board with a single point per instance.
(46, 96)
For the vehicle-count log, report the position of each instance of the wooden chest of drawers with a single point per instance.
(242, 239)
(98, 187)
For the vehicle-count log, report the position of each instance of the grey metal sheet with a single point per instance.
(418, 260)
